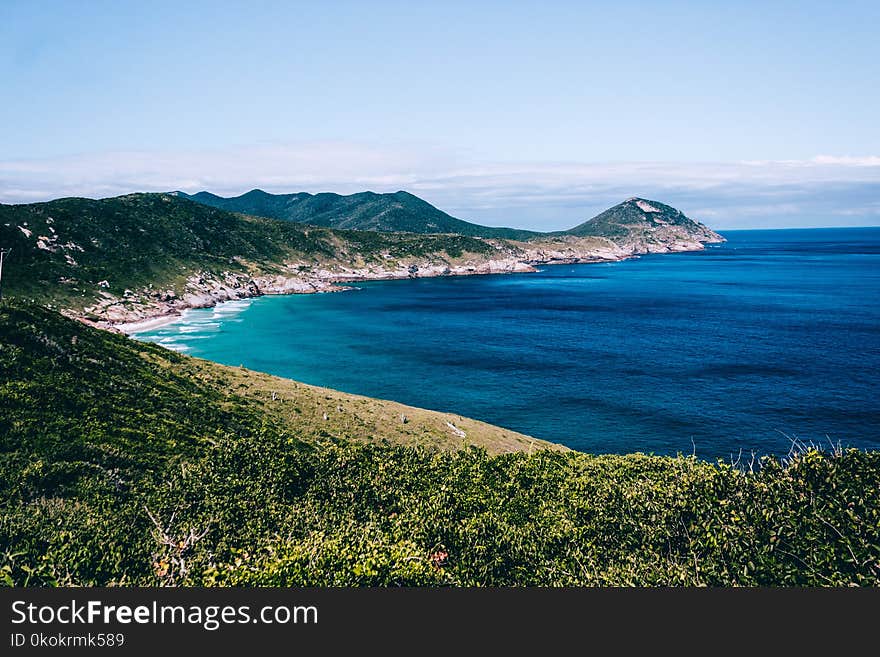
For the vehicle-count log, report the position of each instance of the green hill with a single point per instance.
(74, 243)
(397, 212)
(70, 251)
(634, 219)
(637, 217)
(124, 463)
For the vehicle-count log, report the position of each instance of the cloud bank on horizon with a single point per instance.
(826, 190)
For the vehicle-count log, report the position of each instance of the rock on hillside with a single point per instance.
(646, 226)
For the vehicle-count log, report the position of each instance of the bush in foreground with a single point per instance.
(122, 463)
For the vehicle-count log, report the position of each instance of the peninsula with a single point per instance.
(119, 262)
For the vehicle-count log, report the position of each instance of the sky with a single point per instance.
(529, 114)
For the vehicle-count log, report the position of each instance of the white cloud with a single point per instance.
(871, 209)
(535, 195)
(847, 160)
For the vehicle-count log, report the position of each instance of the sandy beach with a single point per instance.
(130, 328)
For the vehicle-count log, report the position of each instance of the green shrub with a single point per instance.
(119, 467)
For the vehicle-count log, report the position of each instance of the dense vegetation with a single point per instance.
(400, 211)
(125, 463)
(64, 249)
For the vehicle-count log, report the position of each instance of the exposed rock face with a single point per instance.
(573, 250)
(429, 270)
(203, 290)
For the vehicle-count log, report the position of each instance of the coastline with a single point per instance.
(131, 328)
(150, 309)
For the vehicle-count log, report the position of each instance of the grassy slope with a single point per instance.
(152, 402)
(357, 418)
(400, 211)
(98, 433)
(141, 239)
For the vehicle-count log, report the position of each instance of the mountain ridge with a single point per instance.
(402, 211)
(398, 211)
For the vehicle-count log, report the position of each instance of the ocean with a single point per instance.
(771, 337)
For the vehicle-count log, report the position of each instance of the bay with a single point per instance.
(744, 347)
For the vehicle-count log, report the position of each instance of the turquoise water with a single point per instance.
(773, 335)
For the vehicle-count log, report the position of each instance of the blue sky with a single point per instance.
(529, 114)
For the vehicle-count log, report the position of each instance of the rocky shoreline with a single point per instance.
(149, 308)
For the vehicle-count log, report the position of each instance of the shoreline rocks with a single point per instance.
(148, 308)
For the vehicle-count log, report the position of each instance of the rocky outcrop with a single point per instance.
(429, 270)
(205, 289)
(572, 250)
(632, 228)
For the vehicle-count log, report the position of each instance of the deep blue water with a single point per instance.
(773, 335)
